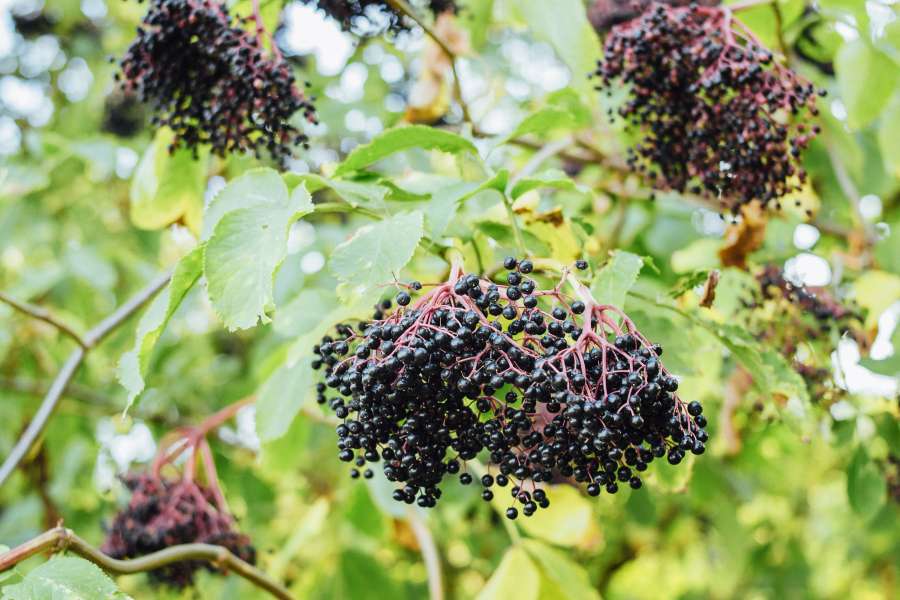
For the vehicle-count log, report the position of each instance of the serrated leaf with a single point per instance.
(403, 138)
(866, 78)
(568, 521)
(516, 577)
(246, 247)
(612, 282)
(564, 25)
(378, 252)
(64, 578)
(552, 178)
(281, 397)
(168, 187)
(255, 187)
(866, 488)
(133, 365)
(569, 580)
(354, 193)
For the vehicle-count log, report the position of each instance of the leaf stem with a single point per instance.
(61, 539)
(92, 338)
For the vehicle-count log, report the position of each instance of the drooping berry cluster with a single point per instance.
(374, 16)
(162, 513)
(717, 115)
(547, 386)
(212, 82)
(807, 316)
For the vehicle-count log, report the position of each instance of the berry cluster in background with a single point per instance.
(374, 16)
(550, 387)
(717, 114)
(213, 82)
(163, 513)
(810, 321)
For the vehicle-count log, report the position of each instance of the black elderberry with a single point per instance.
(212, 82)
(708, 101)
(424, 395)
(163, 513)
(581, 265)
(403, 299)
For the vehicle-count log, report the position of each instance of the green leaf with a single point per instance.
(246, 248)
(866, 488)
(617, 276)
(168, 187)
(64, 578)
(570, 581)
(404, 138)
(866, 78)
(516, 577)
(552, 178)
(568, 521)
(542, 121)
(889, 136)
(378, 252)
(281, 397)
(133, 365)
(564, 25)
(671, 479)
(354, 193)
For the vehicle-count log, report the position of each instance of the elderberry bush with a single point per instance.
(374, 16)
(163, 513)
(548, 387)
(717, 115)
(212, 82)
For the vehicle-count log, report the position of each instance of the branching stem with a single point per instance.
(91, 339)
(61, 539)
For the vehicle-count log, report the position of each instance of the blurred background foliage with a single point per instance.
(799, 495)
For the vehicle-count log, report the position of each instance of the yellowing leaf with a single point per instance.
(568, 521)
(516, 577)
(875, 291)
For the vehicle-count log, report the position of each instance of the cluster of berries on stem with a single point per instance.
(550, 387)
(212, 81)
(717, 115)
(164, 511)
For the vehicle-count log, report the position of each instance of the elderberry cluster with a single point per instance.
(374, 15)
(717, 115)
(547, 386)
(212, 82)
(807, 315)
(163, 513)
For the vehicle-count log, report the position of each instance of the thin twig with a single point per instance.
(93, 337)
(403, 7)
(430, 555)
(61, 539)
(42, 314)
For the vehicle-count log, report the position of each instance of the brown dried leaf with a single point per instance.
(744, 237)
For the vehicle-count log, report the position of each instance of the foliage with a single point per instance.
(796, 493)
